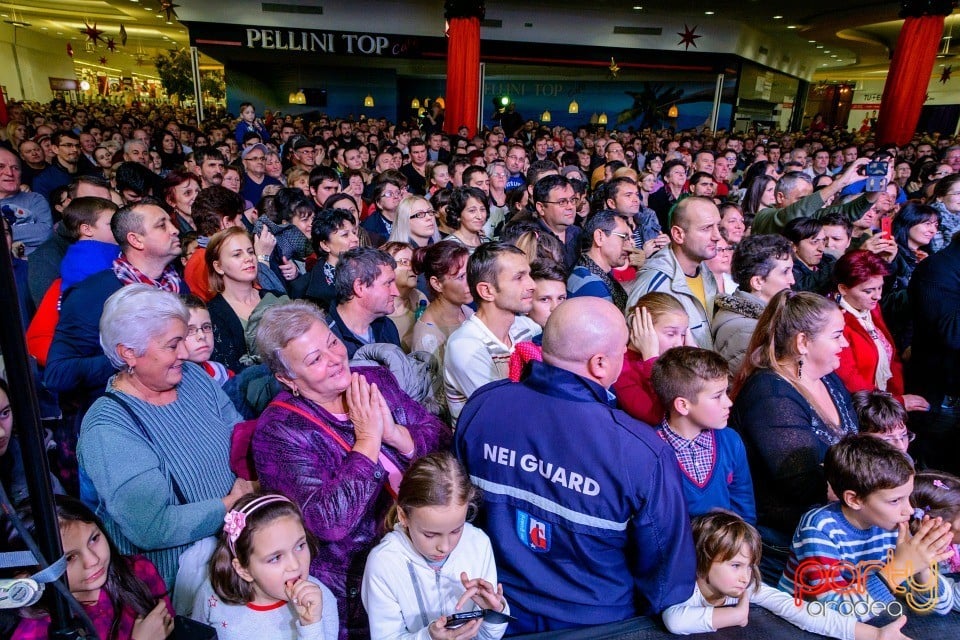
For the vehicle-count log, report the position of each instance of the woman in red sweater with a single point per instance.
(870, 361)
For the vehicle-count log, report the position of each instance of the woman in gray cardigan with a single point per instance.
(762, 267)
(156, 446)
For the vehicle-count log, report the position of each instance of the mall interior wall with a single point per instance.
(39, 58)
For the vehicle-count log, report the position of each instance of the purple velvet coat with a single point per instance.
(342, 494)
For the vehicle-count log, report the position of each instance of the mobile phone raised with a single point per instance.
(876, 173)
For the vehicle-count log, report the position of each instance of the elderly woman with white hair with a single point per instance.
(155, 447)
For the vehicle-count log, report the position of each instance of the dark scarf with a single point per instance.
(617, 292)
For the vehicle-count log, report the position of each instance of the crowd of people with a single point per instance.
(310, 377)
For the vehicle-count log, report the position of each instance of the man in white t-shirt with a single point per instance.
(479, 351)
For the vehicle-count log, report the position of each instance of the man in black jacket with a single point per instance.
(366, 287)
(934, 365)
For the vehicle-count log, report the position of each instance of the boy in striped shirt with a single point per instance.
(857, 554)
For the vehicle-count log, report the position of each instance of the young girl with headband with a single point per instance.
(259, 584)
(433, 563)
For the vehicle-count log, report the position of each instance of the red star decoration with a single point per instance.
(945, 74)
(688, 37)
(93, 34)
(111, 45)
(103, 60)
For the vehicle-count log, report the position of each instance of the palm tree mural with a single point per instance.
(650, 104)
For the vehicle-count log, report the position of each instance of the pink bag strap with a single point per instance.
(326, 429)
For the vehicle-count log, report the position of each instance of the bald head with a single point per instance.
(690, 210)
(587, 336)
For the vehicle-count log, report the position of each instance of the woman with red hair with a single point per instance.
(870, 361)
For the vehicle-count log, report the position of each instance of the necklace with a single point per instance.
(469, 244)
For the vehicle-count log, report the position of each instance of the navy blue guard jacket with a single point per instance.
(583, 504)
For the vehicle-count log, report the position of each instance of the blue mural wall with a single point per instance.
(268, 87)
(626, 103)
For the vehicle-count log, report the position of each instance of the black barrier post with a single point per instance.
(26, 415)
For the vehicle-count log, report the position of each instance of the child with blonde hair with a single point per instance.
(433, 563)
(657, 323)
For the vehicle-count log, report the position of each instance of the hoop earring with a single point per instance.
(800, 368)
(295, 392)
(130, 370)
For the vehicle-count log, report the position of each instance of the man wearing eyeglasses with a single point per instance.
(255, 178)
(302, 153)
(610, 243)
(66, 147)
(556, 205)
(516, 161)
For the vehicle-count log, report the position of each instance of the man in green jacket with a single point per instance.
(797, 199)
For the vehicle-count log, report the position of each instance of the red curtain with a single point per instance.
(908, 79)
(463, 75)
(3, 110)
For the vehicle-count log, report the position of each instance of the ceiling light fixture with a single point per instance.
(708, 13)
(791, 26)
(778, 17)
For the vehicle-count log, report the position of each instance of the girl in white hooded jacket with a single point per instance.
(433, 563)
